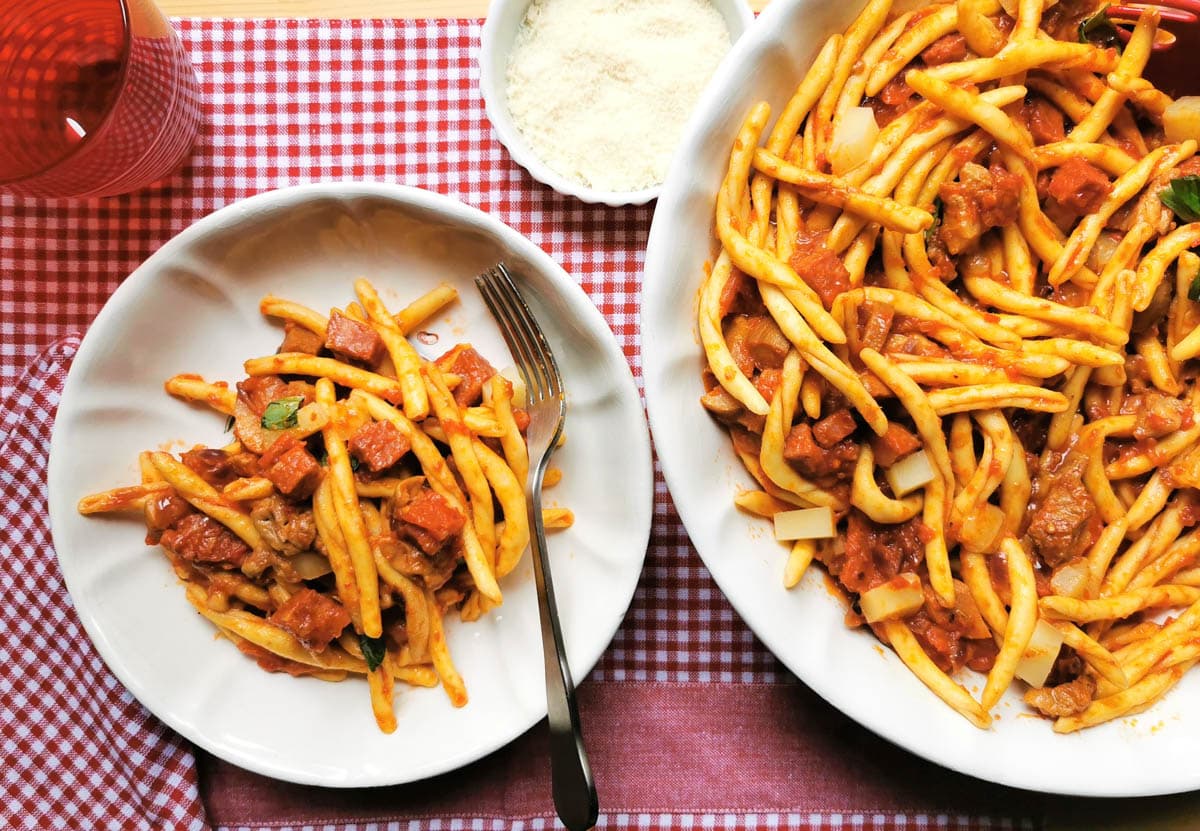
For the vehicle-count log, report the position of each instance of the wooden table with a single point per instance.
(1179, 813)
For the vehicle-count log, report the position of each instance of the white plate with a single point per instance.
(193, 307)
(1152, 753)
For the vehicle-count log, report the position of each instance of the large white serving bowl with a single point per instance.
(193, 307)
(1153, 753)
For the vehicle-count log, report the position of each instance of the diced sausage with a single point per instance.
(198, 538)
(379, 445)
(472, 368)
(982, 198)
(767, 383)
(1044, 120)
(210, 464)
(818, 266)
(893, 101)
(293, 470)
(259, 391)
(740, 295)
(817, 462)
(875, 553)
(875, 320)
(312, 618)
(1156, 414)
(833, 428)
(893, 445)
(430, 520)
(1079, 186)
(162, 512)
(1064, 521)
(298, 339)
(354, 339)
(951, 47)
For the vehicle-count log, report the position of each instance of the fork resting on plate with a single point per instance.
(571, 775)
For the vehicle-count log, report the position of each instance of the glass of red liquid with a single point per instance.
(96, 97)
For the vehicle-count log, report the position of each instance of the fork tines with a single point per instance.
(524, 336)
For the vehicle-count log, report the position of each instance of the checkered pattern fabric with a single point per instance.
(288, 102)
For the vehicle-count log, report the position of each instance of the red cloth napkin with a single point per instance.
(690, 721)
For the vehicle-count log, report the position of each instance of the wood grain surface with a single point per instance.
(336, 8)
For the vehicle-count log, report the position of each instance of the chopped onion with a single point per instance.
(1071, 579)
(518, 384)
(854, 136)
(910, 473)
(804, 524)
(1044, 645)
(1181, 119)
(310, 565)
(899, 597)
(980, 530)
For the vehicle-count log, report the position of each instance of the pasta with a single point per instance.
(955, 313)
(368, 492)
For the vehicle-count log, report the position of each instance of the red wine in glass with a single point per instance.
(96, 97)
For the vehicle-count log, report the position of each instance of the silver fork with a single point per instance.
(571, 775)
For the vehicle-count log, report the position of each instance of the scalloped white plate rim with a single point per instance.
(636, 463)
(850, 670)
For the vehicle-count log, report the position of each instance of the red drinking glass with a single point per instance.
(96, 97)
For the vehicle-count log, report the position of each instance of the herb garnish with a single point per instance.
(229, 422)
(1183, 197)
(373, 650)
(1099, 29)
(931, 231)
(281, 414)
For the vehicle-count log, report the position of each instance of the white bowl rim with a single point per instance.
(492, 91)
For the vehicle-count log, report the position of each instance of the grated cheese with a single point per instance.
(601, 89)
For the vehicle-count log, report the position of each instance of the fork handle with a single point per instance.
(571, 776)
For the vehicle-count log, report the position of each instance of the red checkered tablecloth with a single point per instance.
(690, 721)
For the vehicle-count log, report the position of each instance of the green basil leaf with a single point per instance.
(281, 414)
(353, 463)
(373, 650)
(1099, 29)
(1183, 197)
(1194, 289)
(229, 422)
(931, 231)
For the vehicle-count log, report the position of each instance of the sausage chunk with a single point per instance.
(817, 462)
(472, 368)
(1079, 186)
(430, 520)
(379, 445)
(893, 445)
(982, 198)
(298, 339)
(353, 339)
(1065, 521)
(312, 618)
(200, 539)
(818, 266)
(951, 47)
(289, 465)
(833, 428)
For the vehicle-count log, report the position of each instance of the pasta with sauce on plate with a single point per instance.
(952, 331)
(367, 492)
